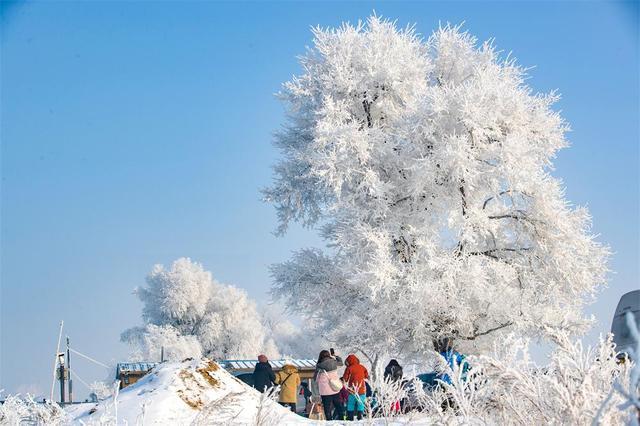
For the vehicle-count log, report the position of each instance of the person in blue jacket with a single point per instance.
(453, 359)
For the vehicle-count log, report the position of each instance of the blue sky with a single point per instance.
(134, 133)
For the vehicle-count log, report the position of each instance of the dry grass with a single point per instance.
(194, 386)
(205, 373)
(195, 403)
(189, 381)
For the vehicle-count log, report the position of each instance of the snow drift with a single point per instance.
(187, 392)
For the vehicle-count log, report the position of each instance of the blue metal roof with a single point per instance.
(249, 364)
(134, 367)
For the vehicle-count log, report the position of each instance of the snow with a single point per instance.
(193, 392)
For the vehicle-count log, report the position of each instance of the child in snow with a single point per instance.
(354, 377)
(305, 392)
(344, 397)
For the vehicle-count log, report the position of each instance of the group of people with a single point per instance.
(342, 396)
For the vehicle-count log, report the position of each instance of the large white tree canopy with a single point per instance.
(426, 167)
(186, 311)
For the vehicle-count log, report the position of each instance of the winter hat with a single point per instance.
(262, 358)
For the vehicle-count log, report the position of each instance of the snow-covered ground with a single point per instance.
(191, 392)
(180, 393)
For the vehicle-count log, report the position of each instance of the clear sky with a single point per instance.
(134, 133)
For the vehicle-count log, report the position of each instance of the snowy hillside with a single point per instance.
(196, 392)
(188, 392)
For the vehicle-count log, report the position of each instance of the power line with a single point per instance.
(80, 378)
(90, 359)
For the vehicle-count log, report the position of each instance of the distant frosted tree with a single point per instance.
(425, 165)
(187, 311)
(290, 339)
(149, 343)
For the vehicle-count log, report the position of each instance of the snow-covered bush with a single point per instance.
(101, 390)
(628, 386)
(570, 388)
(188, 312)
(506, 387)
(425, 165)
(18, 410)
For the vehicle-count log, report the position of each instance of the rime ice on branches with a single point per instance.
(425, 165)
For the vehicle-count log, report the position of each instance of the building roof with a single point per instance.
(249, 364)
(134, 367)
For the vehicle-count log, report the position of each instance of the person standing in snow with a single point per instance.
(452, 358)
(454, 361)
(289, 380)
(329, 385)
(263, 375)
(393, 374)
(305, 392)
(344, 397)
(354, 377)
(393, 371)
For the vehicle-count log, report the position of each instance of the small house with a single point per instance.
(127, 373)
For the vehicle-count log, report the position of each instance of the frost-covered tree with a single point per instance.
(290, 339)
(151, 342)
(187, 311)
(426, 167)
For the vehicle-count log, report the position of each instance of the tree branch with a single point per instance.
(494, 250)
(475, 334)
(508, 191)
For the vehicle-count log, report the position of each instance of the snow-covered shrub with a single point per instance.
(578, 386)
(570, 388)
(425, 166)
(189, 313)
(387, 394)
(628, 386)
(506, 387)
(101, 390)
(18, 410)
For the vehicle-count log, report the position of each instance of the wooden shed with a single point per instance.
(127, 373)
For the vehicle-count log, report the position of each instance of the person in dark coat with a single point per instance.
(263, 375)
(393, 371)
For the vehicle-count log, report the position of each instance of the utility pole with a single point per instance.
(70, 383)
(61, 374)
(55, 361)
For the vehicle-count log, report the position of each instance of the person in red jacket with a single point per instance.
(354, 379)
